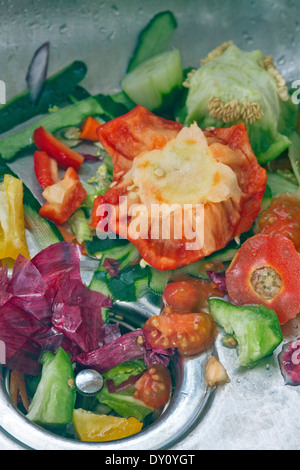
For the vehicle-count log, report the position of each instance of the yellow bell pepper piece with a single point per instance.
(12, 223)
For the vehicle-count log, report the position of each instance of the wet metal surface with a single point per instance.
(255, 410)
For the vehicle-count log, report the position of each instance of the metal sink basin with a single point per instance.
(255, 410)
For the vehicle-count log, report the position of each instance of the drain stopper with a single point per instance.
(88, 382)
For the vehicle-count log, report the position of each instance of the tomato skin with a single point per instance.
(276, 257)
(189, 295)
(282, 218)
(124, 138)
(190, 333)
(154, 387)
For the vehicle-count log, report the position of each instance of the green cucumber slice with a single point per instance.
(150, 82)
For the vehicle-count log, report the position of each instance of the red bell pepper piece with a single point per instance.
(95, 217)
(65, 156)
(45, 168)
(89, 129)
(63, 198)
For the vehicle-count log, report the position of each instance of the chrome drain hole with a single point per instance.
(186, 406)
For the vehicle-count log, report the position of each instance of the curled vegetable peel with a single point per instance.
(149, 155)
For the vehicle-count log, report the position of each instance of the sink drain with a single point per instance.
(190, 395)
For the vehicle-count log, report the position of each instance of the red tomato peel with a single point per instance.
(266, 270)
(126, 137)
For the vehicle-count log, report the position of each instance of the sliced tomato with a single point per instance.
(125, 137)
(154, 387)
(190, 333)
(282, 218)
(189, 296)
(128, 136)
(265, 271)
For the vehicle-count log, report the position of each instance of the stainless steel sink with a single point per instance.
(255, 410)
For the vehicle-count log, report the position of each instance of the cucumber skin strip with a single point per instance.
(149, 34)
(72, 115)
(56, 89)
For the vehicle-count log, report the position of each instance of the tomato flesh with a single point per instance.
(190, 333)
(282, 218)
(266, 271)
(154, 387)
(126, 137)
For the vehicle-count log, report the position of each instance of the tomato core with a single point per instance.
(266, 282)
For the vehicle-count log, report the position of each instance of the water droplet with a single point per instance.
(111, 36)
(115, 10)
(267, 366)
(248, 38)
(63, 28)
(281, 60)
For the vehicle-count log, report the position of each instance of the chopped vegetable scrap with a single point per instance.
(64, 155)
(92, 427)
(120, 387)
(189, 333)
(265, 271)
(63, 198)
(12, 223)
(282, 217)
(256, 329)
(89, 128)
(54, 400)
(157, 169)
(215, 373)
(45, 168)
(46, 305)
(236, 86)
(289, 360)
(190, 295)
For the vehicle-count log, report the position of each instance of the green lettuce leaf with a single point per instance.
(254, 92)
(123, 402)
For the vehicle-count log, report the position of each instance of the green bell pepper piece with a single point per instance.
(54, 400)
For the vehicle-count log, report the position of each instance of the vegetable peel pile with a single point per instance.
(217, 150)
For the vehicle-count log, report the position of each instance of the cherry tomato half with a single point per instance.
(189, 296)
(190, 333)
(154, 387)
